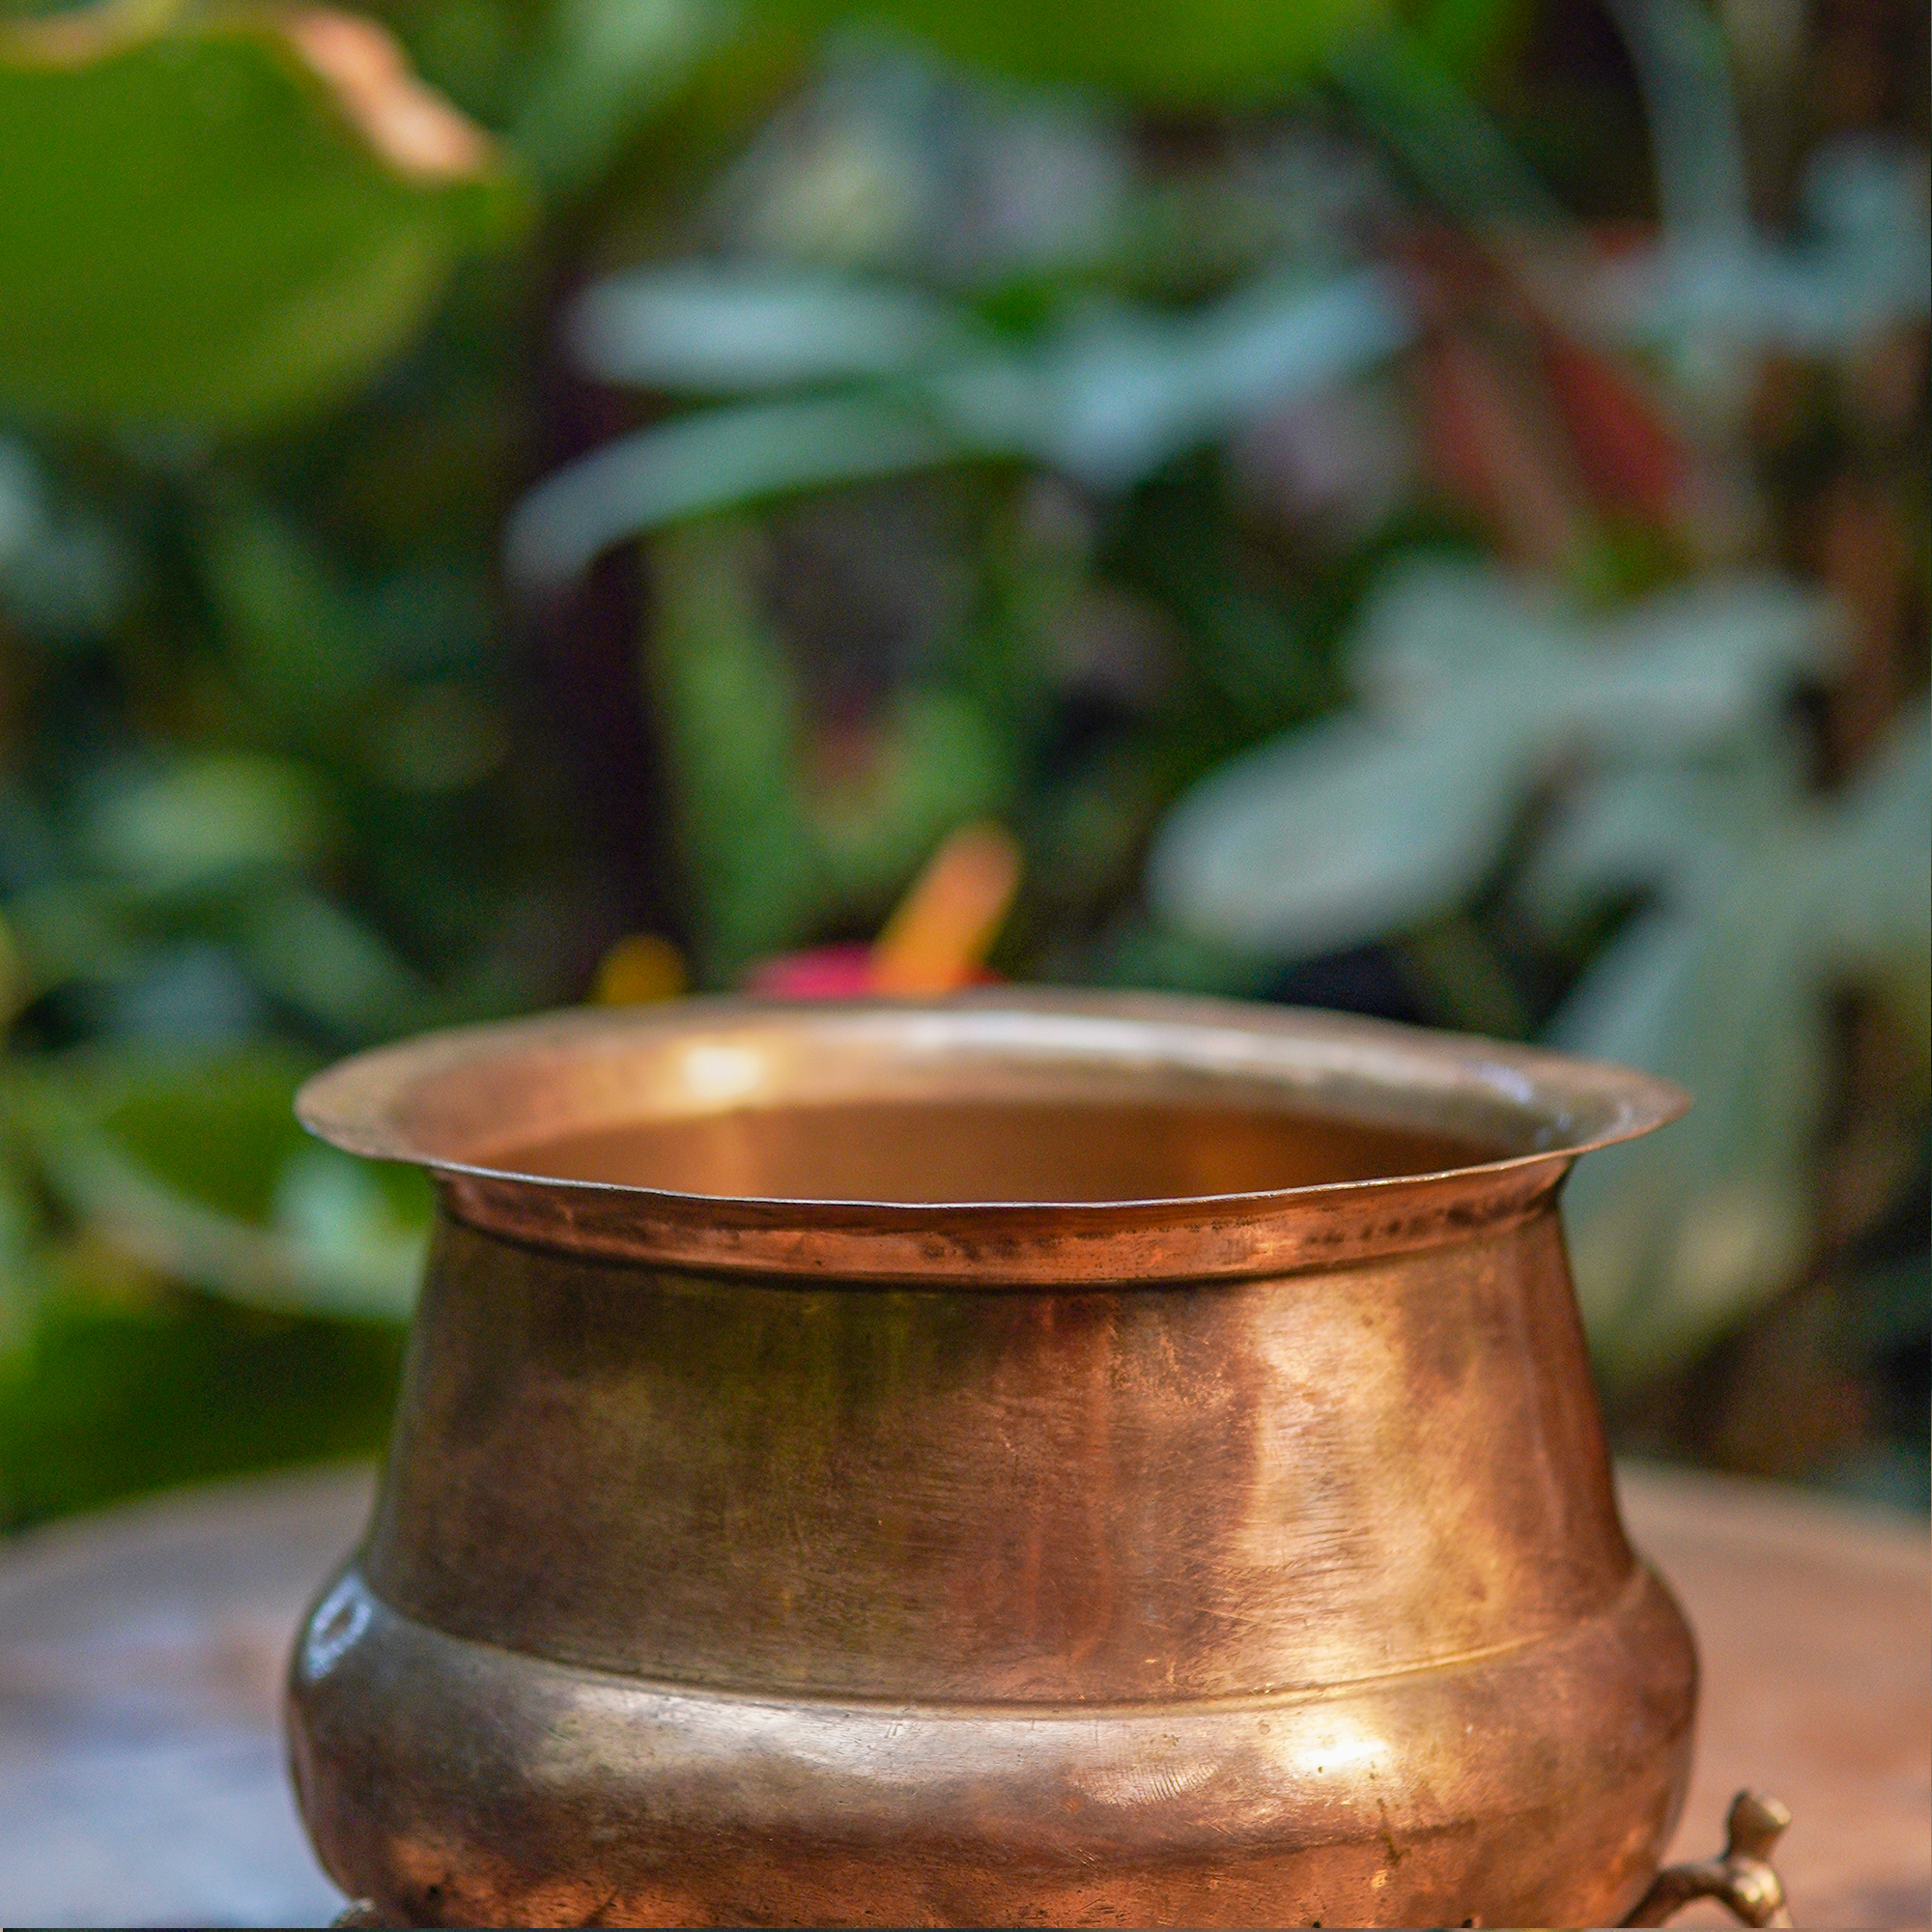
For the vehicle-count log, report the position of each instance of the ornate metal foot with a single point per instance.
(1742, 1879)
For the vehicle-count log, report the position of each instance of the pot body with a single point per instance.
(761, 1595)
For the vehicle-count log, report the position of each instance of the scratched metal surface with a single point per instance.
(141, 1653)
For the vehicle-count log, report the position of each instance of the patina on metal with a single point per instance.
(1031, 1458)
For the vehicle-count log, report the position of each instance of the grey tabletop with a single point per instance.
(141, 1777)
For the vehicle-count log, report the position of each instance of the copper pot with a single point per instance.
(1039, 1458)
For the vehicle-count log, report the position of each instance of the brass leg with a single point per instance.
(1742, 1879)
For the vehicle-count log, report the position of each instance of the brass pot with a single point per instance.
(1040, 1459)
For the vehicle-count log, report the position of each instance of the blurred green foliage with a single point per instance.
(1171, 51)
(201, 229)
(1189, 431)
(115, 1398)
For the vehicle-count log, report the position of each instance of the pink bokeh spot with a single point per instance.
(825, 973)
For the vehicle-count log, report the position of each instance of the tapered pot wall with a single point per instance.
(698, 1595)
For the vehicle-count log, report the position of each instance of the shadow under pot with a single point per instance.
(1035, 1459)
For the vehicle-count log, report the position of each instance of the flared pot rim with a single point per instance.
(456, 1102)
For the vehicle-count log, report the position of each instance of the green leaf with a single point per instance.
(607, 65)
(1173, 51)
(201, 820)
(110, 1398)
(1340, 833)
(22, 1265)
(73, 929)
(1473, 38)
(1474, 687)
(306, 950)
(1107, 398)
(65, 570)
(720, 330)
(218, 220)
(1404, 91)
(1675, 1236)
(732, 712)
(1117, 392)
(1878, 931)
(1672, 829)
(303, 651)
(197, 1168)
(1727, 987)
(713, 461)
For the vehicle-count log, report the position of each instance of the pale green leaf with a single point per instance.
(1340, 833)
(309, 951)
(1108, 398)
(712, 461)
(1118, 391)
(1728, 988)
(202, 819)
(728, 329)
(197, 1168)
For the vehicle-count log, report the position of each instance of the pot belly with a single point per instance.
(454, 1782)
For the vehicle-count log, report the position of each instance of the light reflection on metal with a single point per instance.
(1196, 1514)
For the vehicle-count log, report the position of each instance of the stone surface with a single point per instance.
(141, 1654)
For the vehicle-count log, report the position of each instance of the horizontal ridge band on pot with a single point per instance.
(1490, 1129)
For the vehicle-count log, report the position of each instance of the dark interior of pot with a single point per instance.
(988, 1150)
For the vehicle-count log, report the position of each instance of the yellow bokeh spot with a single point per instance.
(639, 969)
